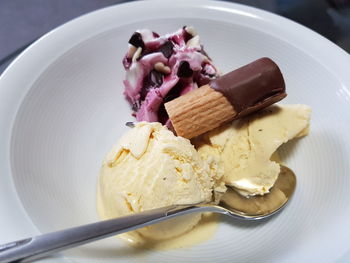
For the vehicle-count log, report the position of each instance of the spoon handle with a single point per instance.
(39, 246)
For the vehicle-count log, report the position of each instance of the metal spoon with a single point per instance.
(233, 205)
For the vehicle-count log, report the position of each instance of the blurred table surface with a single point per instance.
(23, 21)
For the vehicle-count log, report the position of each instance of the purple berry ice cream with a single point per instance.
(161, 68)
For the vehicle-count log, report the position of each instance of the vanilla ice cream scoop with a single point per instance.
(149, 168)
(245, 147)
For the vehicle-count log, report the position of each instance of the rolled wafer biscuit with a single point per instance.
(234, 95)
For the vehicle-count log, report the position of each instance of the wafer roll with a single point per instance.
(234, 95)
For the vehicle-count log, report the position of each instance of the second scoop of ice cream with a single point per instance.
(244, 147)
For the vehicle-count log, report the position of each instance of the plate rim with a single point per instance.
(45, 43)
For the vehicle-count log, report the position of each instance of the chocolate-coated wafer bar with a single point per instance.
(234, 95)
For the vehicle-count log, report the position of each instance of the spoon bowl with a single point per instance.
(232, 204)
(259, 206)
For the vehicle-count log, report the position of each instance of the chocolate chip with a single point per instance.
(130, 124)
(184, 70)
(169, 97)
(136, 40)
(135, 106)
(156, 78)
(174, 92)
(153, 80)
(167, 49)
(207, 74)
(187, 36)
(162, 114)
(155, 34)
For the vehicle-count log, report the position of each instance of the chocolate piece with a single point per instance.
(187, 36)
(174, 92)
(136, 40)
(167, 49)
(135, 106)
(184, 70)
(153, 80)
(155, 35)
(156, 78)
(252, 87)
(130, 124)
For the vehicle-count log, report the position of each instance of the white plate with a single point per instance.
(61, 109)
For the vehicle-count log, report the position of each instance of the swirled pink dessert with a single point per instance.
(162, 68)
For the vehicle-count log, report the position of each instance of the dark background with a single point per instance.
(23, 21)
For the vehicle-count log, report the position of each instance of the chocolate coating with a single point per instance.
(252, 87)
